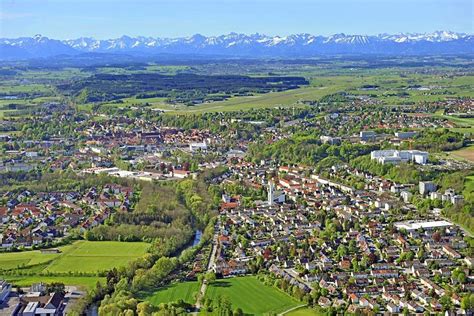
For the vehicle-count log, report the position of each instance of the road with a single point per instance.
(210, 265)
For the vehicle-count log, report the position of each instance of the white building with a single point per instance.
(197, 146)
(274, 196)
(426, 187)
(427, 225)
(398, 156)
(330, 140)
(406, 196)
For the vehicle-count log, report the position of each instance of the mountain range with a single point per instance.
(241, 45)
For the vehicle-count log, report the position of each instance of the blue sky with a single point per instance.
(173, 18)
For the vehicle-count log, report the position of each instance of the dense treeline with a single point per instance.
(308, 150)
(125, 232)
(438, 140)
(106, 87)
(39, 129)
(403, 173)
(158, 214)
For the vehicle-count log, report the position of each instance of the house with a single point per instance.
(330, 140)
(181, 174)
(39, 305)
(406, 196)
(451, 252)
(324, 302)
(4, 215)
(392, 308)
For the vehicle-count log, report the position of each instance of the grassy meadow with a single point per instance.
(185, 291)
(395, 86)
(251, 295)
(87, 257)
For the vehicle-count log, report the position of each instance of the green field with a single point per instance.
(466, 153)
(80, 257)
(251, 295)
(303, 311)
(463, 124)
(178, 291)
(396, 86)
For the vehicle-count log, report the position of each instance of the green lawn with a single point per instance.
(185, 291)
(251, 295)
(90, 256)
(81, 256)
(303, 311)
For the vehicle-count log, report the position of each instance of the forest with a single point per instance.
(106, 87)
(306, 149)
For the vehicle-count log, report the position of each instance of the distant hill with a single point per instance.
(241, 45)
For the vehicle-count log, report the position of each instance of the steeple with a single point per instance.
(271, 189)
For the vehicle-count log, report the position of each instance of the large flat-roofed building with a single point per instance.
(394, 156)
(198, 146)
(367, 135)
(427, 225)
(426, 187)
(405, 135)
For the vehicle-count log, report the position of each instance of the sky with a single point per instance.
(103, 19)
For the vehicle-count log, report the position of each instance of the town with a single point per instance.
(334, 191)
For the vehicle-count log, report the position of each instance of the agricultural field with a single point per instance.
(251, 295)
(466, 153)
(392, 90)
(185, 291)
(80, 257)
(391, 86)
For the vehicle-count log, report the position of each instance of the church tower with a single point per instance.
(271, 189)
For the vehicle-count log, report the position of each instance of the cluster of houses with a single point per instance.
(343, 123)
(36, 301)
(32, 219)
(135, 137)
(428, 188)
(385, 262)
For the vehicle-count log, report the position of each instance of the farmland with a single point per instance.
(86, 257)
(466, 153)
(252, 296)
(244, 85)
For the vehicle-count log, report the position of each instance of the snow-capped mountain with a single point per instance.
(241, 45)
